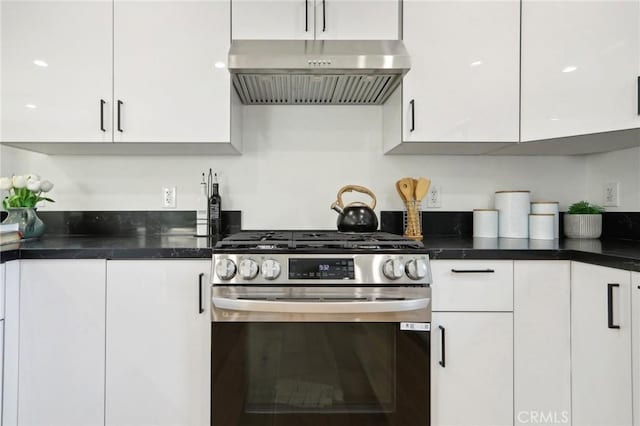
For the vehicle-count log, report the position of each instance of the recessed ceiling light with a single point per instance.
(31, 106)
(40, 63)
(554, 119)
(219, 65)
(475, 64)
(570, 68)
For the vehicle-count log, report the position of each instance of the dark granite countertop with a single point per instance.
(621, 254)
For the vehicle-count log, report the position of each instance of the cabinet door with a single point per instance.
(475, 385)
(56, 70)
(158, 343)
(171, 83)
(635, 339)
(579, 67)
(542, 341)
(61, 343)
(272, 19)
(600, 354)
(463, 83)
(357, 19)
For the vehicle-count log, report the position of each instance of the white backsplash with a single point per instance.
(297, 157)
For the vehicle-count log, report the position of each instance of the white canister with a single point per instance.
(541, 226)
(485, 223)
(548, 207)
(513, 213)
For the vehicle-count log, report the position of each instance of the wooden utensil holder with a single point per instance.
(412, 219)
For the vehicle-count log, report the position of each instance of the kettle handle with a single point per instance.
(356, 188)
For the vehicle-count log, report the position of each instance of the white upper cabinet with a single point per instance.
(272, 19)
(316, 19)
(463, 84)
(357, 19)
(171, 83)
(580, 67)
(56, 69)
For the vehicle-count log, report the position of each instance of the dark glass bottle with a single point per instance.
(215, 210)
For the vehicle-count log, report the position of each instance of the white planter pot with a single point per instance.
(583, 225)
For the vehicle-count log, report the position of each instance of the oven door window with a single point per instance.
(319, 374)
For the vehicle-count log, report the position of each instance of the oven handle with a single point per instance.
(284, 306)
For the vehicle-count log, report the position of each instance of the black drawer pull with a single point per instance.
(473, 271)
(442, 361)
(610, 323)
(639, 95)
(200, 307)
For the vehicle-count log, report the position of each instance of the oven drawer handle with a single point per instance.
(315, 307)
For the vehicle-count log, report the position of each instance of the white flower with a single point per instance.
(6, 183)
(33, 185)
(32, 176)
(19, 182)
(46, 186)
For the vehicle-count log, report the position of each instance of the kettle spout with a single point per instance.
(337, 208)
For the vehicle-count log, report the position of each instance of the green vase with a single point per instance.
(28, 221)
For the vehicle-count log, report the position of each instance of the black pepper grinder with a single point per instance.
(215, 210)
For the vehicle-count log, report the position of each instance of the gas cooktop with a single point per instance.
(315, 240)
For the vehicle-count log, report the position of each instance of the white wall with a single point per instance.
(295, 159)
(617, 166)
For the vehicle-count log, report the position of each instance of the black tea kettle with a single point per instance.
(357, 216)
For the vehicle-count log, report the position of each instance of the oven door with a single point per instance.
(320, 356)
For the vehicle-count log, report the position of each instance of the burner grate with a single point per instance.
(316, 240)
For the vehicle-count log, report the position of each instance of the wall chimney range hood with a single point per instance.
(317, 72)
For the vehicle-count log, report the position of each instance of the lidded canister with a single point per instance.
(513, 213)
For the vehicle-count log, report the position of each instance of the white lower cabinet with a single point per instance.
(61, 343)
(158, 343)
(601, 346)
(635, 340)
(472, 369)
(542, 342)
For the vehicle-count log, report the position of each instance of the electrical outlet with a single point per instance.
(169, 197)
(434, 197)
(612, 194)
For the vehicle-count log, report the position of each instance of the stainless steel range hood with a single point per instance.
(317, 72)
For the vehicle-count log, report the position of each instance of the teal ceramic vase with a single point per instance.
(29, 224)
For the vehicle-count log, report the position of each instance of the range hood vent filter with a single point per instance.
(305, 89)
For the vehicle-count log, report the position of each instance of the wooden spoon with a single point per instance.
(408, 191)
(422, 187)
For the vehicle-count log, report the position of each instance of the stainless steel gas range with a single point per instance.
(320, 328)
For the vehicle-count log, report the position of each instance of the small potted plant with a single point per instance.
(583, 220)
(24, 193)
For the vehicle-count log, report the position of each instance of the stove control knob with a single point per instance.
(270, 269)
(225, 269)
(416, 269)
(248, 269)
(393, 269)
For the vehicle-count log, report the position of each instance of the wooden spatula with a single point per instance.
(422, 188)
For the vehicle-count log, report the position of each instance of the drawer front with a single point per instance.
(472, 285)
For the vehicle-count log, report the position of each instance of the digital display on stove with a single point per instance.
(321, 269)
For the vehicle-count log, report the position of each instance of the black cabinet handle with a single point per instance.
(119, 118)
(324, 16)
(473, 271)
(200, 307)
(638, 95)
(413, 115)
(442, 361)
(102, 103)
(610, 305)
(306, 16)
